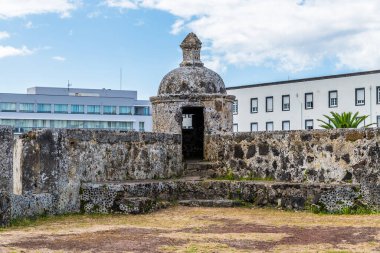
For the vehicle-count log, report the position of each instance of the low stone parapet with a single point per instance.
(317, 156)
(111, 197)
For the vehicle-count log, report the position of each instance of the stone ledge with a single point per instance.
(294, 196)
(210, 203)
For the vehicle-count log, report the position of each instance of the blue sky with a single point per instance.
(48, 42)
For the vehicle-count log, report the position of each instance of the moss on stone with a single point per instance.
(251, 177)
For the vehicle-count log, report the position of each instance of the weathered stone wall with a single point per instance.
(31, 205)
(59, 169)
(139, 197)
(317, 156)
(167, 112)
(6, 175)
(55, 163)
(6, 151)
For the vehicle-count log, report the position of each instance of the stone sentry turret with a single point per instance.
(192, 101)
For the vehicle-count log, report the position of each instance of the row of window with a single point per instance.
(309, 101)
(269, 126)
(74, 109)
(23, 125)
(309, 125)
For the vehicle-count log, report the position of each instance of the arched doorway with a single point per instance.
(192, 133)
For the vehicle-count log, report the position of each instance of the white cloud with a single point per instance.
(59, 58)
(4, 35)
(121, 4)
(290, 35)
(7, 51)
(20, 8)
(177, 26)
(214, 63)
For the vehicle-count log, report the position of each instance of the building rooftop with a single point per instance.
(305, 79)
(78, 92)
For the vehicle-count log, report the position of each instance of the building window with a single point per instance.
(235, 128)
(235, 107)
(8, 107)
(378, 121)
(309, 124)
(75, 124)
(112, 125)
(24, 123)
(58, 123)
(286, 103)
(38, 123)
(269, 104)
(93, 109)
(77, 109)
(309, 101)
(125, 110)
(61, 108)
(141, 126)
(108, 109)
(44, 108)
(141, 110)
(269, 126)
(333, 98)
(93, 124)
(286, 125)
(8, 122)
(378, 94)
(126, 125)
(26, 107)
(254, 127)
(254, 105)
(360, 96)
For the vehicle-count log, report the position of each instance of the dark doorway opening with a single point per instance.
(192, 132)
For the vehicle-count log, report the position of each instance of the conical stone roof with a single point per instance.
(191, 77)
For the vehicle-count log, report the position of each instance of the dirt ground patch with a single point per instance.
(184, 229)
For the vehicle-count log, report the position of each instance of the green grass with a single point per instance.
(348, 210)
(192, 249)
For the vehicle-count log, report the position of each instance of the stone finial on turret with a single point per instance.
(191, 48)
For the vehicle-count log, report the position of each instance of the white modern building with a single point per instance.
(297, 104)
(46, 107)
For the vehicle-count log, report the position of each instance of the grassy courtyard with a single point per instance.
(182, 229)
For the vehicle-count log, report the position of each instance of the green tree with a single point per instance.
(343, 120)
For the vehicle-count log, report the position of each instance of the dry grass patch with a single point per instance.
(275, 217)
(205, 237)
(328, 248)
(184, 229)
(202, 248)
